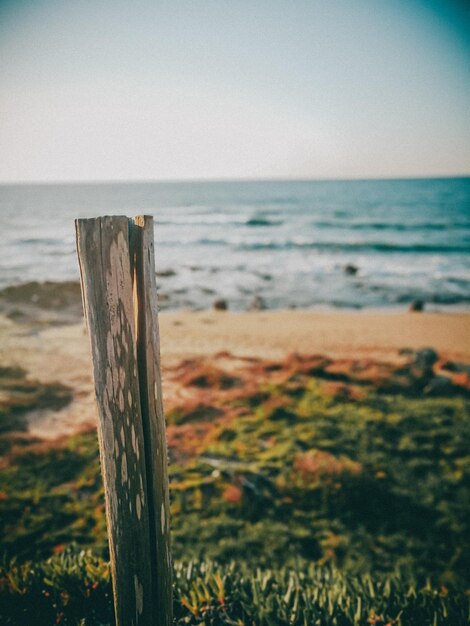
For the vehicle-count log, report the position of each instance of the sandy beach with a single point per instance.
(59, 353)
(273, 334)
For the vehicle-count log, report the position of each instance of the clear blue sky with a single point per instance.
(119, 90)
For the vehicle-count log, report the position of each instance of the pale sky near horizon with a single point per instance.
(149, 90)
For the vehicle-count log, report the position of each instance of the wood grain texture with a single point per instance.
(107, 288)
(148, 354)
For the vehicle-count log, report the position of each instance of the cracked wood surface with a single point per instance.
(148, 354)
(125, 348)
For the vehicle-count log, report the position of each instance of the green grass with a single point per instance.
(368, 486)
(317, 511)
(74, 588)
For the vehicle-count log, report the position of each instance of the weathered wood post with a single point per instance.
(117, 269)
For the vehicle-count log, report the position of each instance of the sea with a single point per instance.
(280, 244)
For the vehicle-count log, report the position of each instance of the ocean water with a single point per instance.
(286, 242)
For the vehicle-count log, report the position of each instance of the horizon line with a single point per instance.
(132, 181)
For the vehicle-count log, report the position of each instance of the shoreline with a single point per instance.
(269, 333)
(61, 297)
(59, 353)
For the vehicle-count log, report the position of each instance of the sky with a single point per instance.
(233, 89)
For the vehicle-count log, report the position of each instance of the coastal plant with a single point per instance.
(74, 588)
(286, 472)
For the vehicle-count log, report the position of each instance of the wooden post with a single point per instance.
(120, 301)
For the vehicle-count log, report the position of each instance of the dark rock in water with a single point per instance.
(255, 221)
(350, 269)
(417, 306)
(261, 221)
(165, 273)
(220, 305)
(263, 276)
(257, 304)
